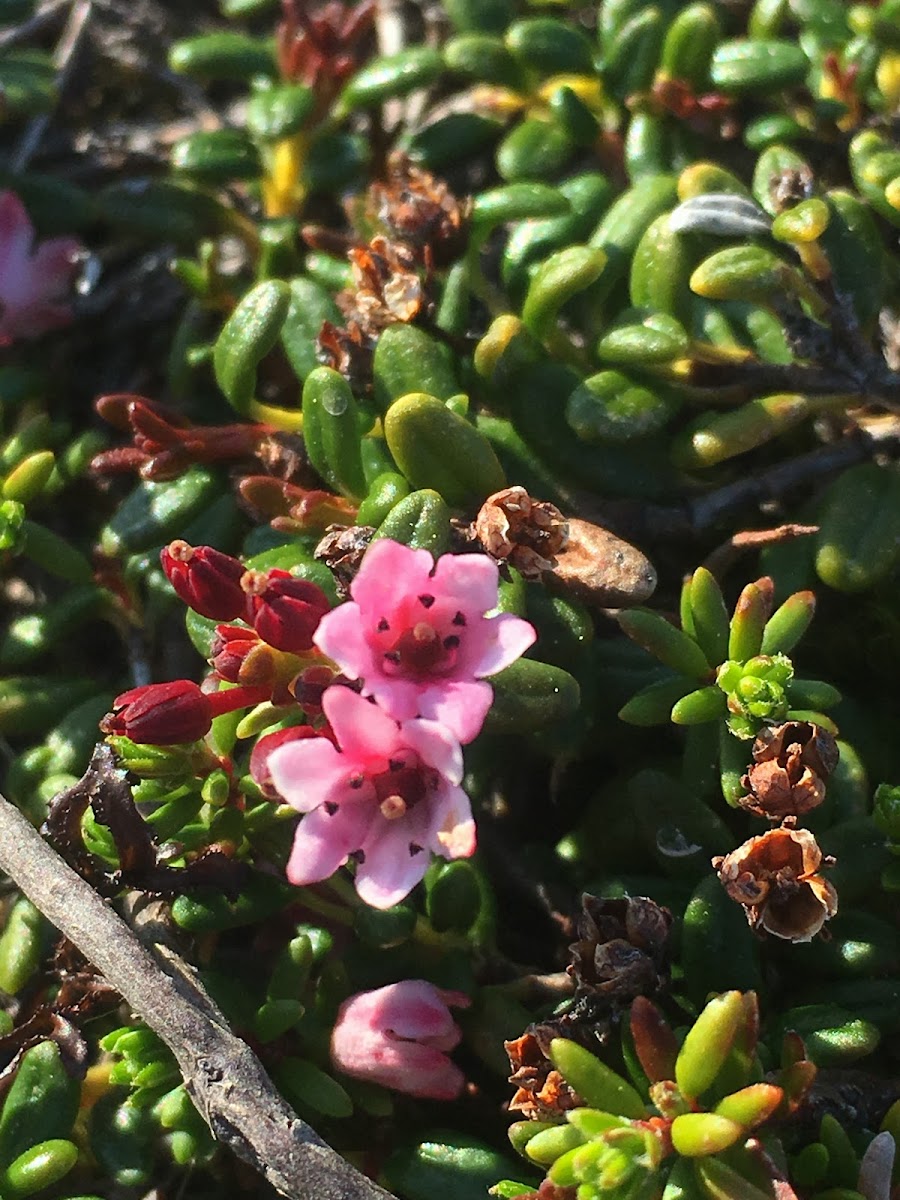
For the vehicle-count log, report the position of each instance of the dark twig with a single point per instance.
(224, 1077)
(63, 59)
(718, 562)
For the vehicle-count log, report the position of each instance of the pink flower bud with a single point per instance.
(284, 611)
(207, 581)
(398, 1036)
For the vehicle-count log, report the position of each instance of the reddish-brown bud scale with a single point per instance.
(283, 610)
(207, 580)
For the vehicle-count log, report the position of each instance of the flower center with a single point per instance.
(425, 647)
(403, 785)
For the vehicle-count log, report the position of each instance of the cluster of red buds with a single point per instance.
(710, 112)
(292, 509)
(324, 47)
(165, 444)
(266, 657)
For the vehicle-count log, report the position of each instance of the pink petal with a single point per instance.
(309, 773)
(323, 842)
(473, 580)
(414, 1009)
(459, 706)
(399, 697)
(390, 572)
(390, 871)
(364, 733)
(507, 639)
(451, 832)
(16, 234)
(435, 746)
(55, 263)
(341, 637)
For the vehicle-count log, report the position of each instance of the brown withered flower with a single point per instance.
(775, 877)
(415, 207)
(791, 765)
(342, 549)
(386, 286)
(348, 351)
(599, 568)
(541, 1090)
(623, 948)
(528, 534)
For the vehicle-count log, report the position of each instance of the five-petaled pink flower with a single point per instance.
(398, 1036)
(33, 283)
(386, 798)
(417, 635)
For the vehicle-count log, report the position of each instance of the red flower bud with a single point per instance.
(230, 646)
(161, 714)
(283, 610)
(164, 714)
(205, 579)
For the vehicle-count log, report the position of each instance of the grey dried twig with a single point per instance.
(224, 1077)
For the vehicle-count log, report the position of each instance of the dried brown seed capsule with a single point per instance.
(622, 949)
(775, 877)
(342, 549)
(791, 765)
(528, 534)
(541, 1090)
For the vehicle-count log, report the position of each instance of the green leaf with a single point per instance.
(246, 338)
(598, 1085)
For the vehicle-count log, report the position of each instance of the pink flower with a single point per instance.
(416, 634)
(33, 285)
(397, 1036)
(388, 796)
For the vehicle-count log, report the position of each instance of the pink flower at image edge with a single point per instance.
(416, 634)
(398, 1036)
(387, 797)
(34, 282)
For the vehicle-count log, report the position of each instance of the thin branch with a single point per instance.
(224, 1077)
(64, 58)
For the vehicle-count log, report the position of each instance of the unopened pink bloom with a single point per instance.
(33, 283)
(416, 634)
(386, 798)
(398, 1036)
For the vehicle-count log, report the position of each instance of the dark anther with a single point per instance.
(426, 601)
(330, 806)
(414, 849)
(451, 642)
(383, 626)
(393, 656)
(459, 619)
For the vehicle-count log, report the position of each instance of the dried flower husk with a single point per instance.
(541, 1090)
(527, 534)
(791, 765)
(415, 207)
(342, 550)
(775, 877)
(623, 948)
(599, 568)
